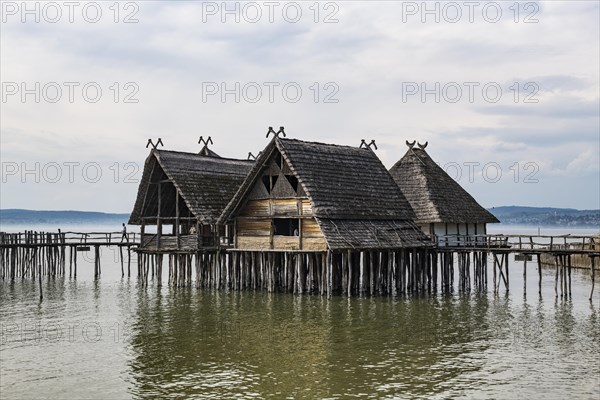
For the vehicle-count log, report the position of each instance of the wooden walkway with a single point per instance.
(464, 257)
(523, 244)
(41, 239)
(34, 254)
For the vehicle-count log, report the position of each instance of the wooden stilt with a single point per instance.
(329, 272)
(122, 261)
(539, 263)
(349, 284)
(506, 281)
(593, 262)
(40, 284)
(569, 272)
(128, 261)
(556, 276)
(525, 275)
(495, 283)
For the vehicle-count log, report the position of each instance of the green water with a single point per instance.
(112, 339)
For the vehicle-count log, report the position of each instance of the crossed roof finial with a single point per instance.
(276, 134)
(421, 146)
(365, 145)
(205, 141)
(412, 144)
(154, 145)
(252, 156)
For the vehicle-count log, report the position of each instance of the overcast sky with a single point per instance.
(506, 94)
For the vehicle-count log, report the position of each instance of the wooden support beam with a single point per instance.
(158, 220)
(556, 276)
(329, 266)
(506, 281)
(503, 260)
(300, 233)
(495, 273)
(593, 262)
(177, 227)
(525, 275)
(349, 284)
(539, 263)
(569, 272)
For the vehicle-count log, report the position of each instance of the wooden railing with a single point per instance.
(514, 243)
(173, 242)
(34, 238)
(522, 243)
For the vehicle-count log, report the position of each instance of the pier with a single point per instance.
(561, 248)
(32, 254)
(452, 262)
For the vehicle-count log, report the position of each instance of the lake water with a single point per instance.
(112, 339)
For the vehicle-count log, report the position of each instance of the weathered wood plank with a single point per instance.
(311, 229)
(256, 208)
(254, 242)
(285, 207)
(253, 227)
(286, 242)
(314, 244)
(306, 208)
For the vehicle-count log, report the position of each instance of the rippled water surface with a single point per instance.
(111, 339)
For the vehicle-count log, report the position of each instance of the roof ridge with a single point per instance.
(322, 143)
(202, 157)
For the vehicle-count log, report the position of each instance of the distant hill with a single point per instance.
(33, 217)
(547, 216)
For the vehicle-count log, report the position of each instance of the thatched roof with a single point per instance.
(371, 234)
(353, 196)
(205, 183)
(433, 194)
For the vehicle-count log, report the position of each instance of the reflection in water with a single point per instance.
(220, 344)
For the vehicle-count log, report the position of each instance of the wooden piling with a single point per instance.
(593, 262)
(539, 263)
(525, 275)
(556, 276)
(40, 284)
(569, 272)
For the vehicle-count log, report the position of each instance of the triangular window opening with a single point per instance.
(266, 180)
(269, 182)
(293, 181)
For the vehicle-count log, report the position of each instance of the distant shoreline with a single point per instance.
(14, 217)
(510, 216)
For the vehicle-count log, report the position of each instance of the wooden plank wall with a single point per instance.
(254, 225)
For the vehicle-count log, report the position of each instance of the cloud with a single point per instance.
(563, 108)
(368, 54)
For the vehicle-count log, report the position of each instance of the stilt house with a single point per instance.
(305, 196)
(180, 197)
(441, 205)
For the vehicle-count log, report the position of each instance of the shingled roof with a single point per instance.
(206, 183)
(353, 197)
(433, 194)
